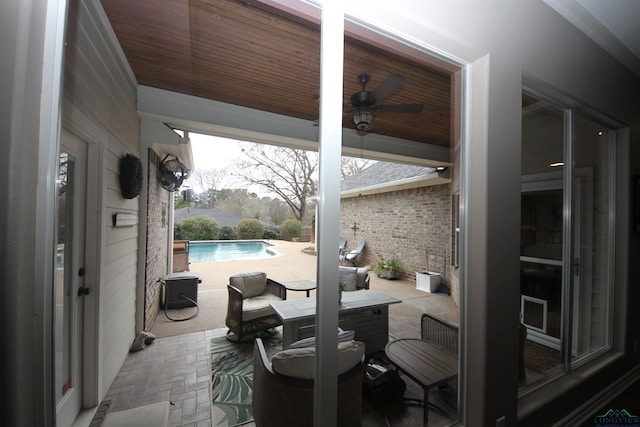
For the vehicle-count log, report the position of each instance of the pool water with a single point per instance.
(224, 251)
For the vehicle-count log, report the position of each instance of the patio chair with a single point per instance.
(283, 388)
(351, 256)
(441, 332)
(249, 308)
(356, 278)
(445, 334)
(342, 245)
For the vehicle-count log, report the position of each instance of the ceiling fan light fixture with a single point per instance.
(363, 118)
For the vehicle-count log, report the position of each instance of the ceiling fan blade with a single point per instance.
(391, 83)
(400, 108)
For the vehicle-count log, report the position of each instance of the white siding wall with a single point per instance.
(100, 107)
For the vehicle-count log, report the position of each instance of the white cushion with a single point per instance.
(259, 306)
(350, 276)
(300, 362)
(311, 341)
(250, 284)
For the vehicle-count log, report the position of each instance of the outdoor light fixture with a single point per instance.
(443, 172)
(363, 118)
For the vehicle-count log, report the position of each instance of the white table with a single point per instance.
(365, 312)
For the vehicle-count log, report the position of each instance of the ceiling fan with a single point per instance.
(365, 103)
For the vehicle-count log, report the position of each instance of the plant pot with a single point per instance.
(428, 281)
(387, 274)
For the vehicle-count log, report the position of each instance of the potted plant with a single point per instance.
(388, 269)
(428, 281)
(342, 286)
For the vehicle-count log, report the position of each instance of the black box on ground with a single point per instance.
(381, 382)
(181, 290)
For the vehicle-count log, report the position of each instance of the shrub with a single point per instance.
(227, 233)
(197, 228)
(272, 233)
(250, 229)
(290, 229)
(388, 269)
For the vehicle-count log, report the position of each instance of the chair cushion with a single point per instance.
(311, 341)
(258, 306)
(250, 284)
(350, 276)
(300, 362)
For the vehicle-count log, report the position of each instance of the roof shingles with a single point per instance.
(382, 173)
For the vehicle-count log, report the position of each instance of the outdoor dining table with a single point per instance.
(366, 312)
(428, 364)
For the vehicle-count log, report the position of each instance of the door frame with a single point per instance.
(94, 226)
(90, 369)
(72, 326)
(580, 282)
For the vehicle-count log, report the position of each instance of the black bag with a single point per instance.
(381, 381)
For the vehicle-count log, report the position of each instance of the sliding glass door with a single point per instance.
(566, 242)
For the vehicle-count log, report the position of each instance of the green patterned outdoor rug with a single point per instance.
(232, 378)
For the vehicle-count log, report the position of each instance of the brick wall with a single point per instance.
(157, 241)
(402, 224)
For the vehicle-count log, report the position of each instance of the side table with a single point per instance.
(427, 364)
(300, 285)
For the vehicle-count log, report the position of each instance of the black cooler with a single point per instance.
(181, 290)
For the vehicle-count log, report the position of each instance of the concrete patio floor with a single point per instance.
(292, 264)
(176, 367)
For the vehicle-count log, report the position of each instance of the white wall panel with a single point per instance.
(100, 106)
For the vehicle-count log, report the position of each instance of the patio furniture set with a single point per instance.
(257, 304)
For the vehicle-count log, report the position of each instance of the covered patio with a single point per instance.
(292, 264)
(176, 367)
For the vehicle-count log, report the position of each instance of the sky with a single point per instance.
(212, 152)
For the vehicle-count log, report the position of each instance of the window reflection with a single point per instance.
(565, 244)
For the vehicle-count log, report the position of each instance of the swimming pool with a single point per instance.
(228, 250)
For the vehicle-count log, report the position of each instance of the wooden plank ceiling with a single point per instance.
(248, 54)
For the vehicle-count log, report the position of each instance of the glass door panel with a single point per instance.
(63, 278)
(542, 237)
(70, 221)
(590, 289)
(566, 242)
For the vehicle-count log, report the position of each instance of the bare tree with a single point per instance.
(287, 172)
(275, 210)
(353, 165)
(208, 181)
(241, 202)
(207, 178)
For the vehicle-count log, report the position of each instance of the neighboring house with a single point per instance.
(66, 72)
(401, 211)
(222, 218)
